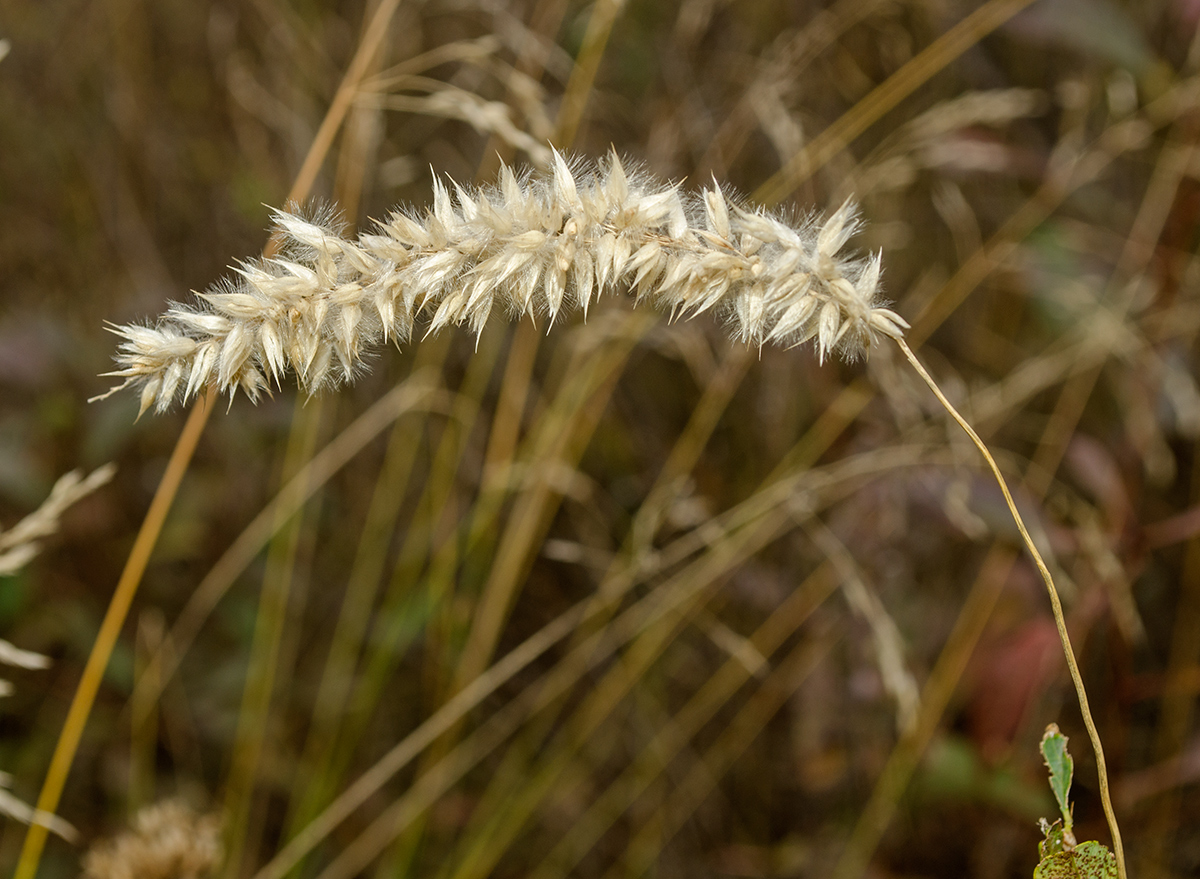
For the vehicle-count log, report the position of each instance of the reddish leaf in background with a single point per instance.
(1009, 675)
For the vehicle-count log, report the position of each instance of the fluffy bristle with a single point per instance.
(526, 246)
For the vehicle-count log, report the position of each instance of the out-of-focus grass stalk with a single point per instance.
(686, 797)
(583, 76)
(360, 65)
(513, 772)
(110, 630)
(885, 96)
(1055, 604)
(681, 728)
(135, 566)
(279, 580)
(737, 535)
(272, 654)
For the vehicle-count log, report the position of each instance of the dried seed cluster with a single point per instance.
(167, 841)
(527, 246)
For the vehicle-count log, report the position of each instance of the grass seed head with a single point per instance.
(530, 245)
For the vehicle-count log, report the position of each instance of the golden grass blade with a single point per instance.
(343, 100)
(583, 75)
(110, 630)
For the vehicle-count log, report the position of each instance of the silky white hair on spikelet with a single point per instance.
(530, 244)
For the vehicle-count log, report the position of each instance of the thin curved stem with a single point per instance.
(1055, 604)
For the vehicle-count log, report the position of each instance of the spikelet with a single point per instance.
(524, 246)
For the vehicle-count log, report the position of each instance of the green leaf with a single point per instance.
(1054, 841)
(1088, 860)
(1062, 769)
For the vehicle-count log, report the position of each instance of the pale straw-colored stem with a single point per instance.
(1055, 605)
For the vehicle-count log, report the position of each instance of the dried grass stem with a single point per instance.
(1055, 605)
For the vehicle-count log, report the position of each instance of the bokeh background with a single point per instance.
(814, 647)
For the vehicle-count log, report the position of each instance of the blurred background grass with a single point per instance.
(853, 665)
